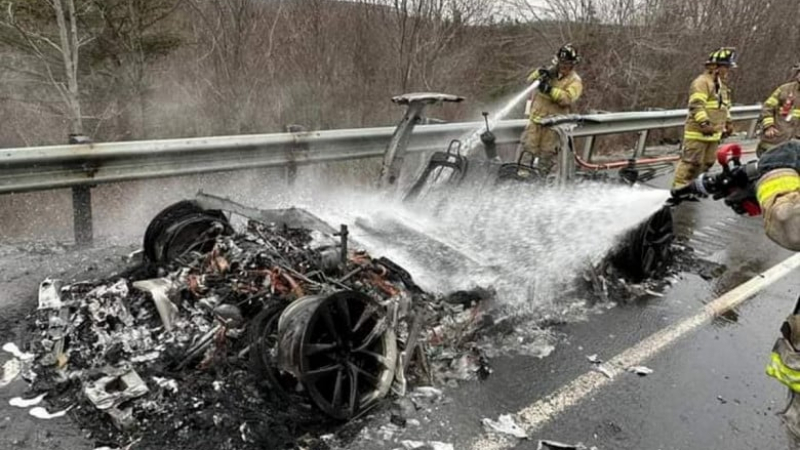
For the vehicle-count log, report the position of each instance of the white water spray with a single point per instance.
(526, 241)
(473, 139)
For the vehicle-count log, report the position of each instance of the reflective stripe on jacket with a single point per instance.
(781, 111)
(709, 100)
(566, 91)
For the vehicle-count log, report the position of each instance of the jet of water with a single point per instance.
(473, 139)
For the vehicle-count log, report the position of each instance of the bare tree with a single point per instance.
(57, 57)
(128, 38)
(235, 60)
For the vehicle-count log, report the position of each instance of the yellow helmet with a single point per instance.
(723, 56)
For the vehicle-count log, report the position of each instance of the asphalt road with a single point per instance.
(708, 390)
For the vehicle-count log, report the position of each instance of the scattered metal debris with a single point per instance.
(431, 445)
(115, 388)
(19, 354)
(553, 445)
(41, 413)
(10, 371)
(160, 290)
(504, 425)
(603, 369)
(427, 392)
(640, 370)
(653, 293)
(167, 384)
(50, 294)
(26, 403)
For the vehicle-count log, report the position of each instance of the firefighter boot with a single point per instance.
(784, 366)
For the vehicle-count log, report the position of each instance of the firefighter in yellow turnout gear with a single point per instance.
(709, 117)
(778, 192)
(772, 183)
(559, 88)
(781, 114)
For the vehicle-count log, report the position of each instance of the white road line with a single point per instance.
(534, 417)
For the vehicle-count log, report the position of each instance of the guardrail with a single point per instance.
(81, 166)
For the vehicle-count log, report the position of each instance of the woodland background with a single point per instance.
(146, 69)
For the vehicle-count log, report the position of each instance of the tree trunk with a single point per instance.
(69, 52)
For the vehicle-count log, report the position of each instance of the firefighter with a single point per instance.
(559, 88)
(780, 115)
(778, 192)
(709, 118)
(773, 184)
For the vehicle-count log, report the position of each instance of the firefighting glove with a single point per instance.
(543, 74)
(744, 201)
(771, 132)
(729, 130)
(545, 87)
(706, 128)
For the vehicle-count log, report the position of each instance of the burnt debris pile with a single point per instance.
(250, 333)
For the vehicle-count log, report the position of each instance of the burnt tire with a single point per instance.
(169, 233)
(263, 335)
(162, 220)
(341, 348)
(645, 251)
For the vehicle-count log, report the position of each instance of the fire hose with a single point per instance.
(638, 162)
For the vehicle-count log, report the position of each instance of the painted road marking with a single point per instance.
(532, 418)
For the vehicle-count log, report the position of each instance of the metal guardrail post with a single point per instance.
(82, 226)
(82, 215)
(588, 148)
(588, 144)
(751, 130)
(640, 145)
(566, 160)
(291, 165)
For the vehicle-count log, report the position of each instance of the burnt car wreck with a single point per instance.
(278, 321)
(320, 319)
